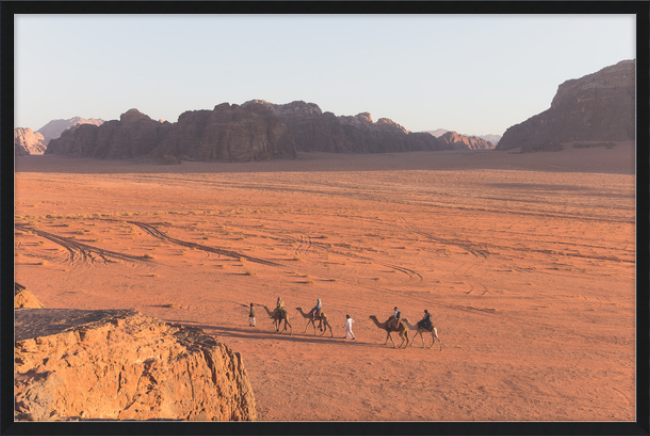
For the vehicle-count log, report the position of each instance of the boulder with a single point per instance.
(596, 107)
(122, 365)
(28, 142)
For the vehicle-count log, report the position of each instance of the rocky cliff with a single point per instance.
(314, 130)
(54, 128)
(227, 133)
(134, 135)
(462, 142)
(122, 365)
(28, 142)
(596, 107)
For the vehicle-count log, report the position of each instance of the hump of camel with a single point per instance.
(323, 318)
(402, 329)
(278, 318)
(420, 331)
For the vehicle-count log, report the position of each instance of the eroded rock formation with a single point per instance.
(122, 365)
(596, 107)
(227, 133)
(462, 142)
(314, 130)
(54, 128)
(28, 142)
(134, 135)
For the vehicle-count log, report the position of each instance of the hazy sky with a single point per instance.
(476, 74)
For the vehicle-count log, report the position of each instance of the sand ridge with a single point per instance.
(526, 262)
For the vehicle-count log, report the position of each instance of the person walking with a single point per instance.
(348, 327)
(251, 316)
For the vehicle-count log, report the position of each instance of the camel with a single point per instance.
(323, 319)
(419, 331)
(277, 320)
(402, 329)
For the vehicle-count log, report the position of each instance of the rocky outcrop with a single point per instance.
(134, 135)
(596, 107)
(227, 133)
(27, 142)
(314, 130)
(462, 142)
(24, 299)
(122, 365)
(55, 128)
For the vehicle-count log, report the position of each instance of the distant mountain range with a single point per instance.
(494, 139)
(54, 128)
(26, 141)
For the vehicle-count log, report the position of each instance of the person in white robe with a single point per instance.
(348, 327)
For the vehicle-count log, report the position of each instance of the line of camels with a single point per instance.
(403, 327)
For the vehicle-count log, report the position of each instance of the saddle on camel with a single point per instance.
(279, 308)
(394, 320)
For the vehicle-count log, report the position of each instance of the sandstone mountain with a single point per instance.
(314, 130)
(28, 142)
(227, 133)
(596, 107)
(494, 139)
(75, 365)
(54, 128)
(462, 142)
(134, 135)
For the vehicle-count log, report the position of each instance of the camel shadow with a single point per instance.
(257, 333)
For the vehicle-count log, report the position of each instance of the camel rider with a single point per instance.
(395, 319)
(316, 311)
(279, 306)
(425, 323)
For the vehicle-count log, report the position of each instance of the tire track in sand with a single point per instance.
(86, 252)
(153, 231)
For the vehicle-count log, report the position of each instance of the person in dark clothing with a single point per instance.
(425, 323)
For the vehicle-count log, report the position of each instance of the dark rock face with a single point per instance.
(27, 142)
(462, 142)
(55, 128)
(599, 106)
(314, 130)
(227, 133)
(134, 135)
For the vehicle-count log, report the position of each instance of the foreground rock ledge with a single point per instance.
(123, 365)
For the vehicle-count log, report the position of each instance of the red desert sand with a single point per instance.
(525, 261)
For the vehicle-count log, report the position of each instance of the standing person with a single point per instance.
(348, 327)
(251, 316)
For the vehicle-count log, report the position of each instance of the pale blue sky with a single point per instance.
(476, 74)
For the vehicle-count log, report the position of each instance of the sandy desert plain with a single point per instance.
(526, 261)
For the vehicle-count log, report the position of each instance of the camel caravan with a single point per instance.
(394, 324)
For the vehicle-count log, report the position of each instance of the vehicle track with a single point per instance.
(153, 231)
(461, 244)
(86, 252)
